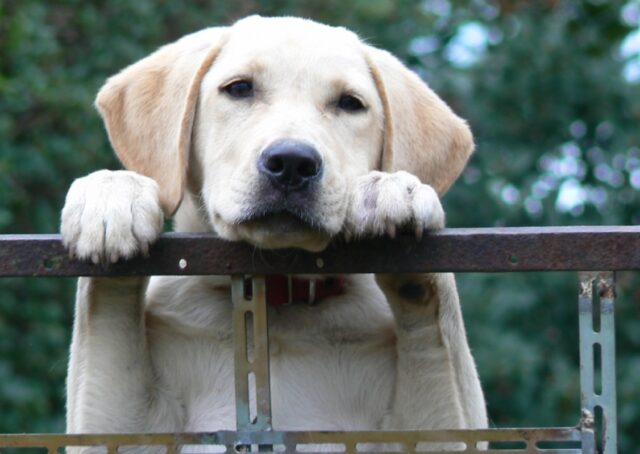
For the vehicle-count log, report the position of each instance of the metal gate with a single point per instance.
(587, 250)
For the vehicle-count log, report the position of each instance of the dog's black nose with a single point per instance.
(290, 165)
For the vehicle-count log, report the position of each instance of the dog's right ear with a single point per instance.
(422, 135)
(149, 108)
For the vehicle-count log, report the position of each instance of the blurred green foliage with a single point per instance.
(551, 89)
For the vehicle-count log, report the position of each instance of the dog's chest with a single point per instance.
(332, 366)
(331, 387)
(316, 384)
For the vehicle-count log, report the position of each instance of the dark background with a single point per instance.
(550, 87)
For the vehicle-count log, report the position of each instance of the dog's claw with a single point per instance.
(144, 250)
(391, 230)
(419, 232)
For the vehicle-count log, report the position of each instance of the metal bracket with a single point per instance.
(597, 362)
(253, 392)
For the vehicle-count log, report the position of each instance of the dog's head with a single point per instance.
(258, 130)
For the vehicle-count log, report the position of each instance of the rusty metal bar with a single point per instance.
(482, 250)
(560, 440)
(597, 362)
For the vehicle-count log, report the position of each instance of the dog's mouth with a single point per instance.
(279, 222)
(283, 229)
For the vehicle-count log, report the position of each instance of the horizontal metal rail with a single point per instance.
(479, 250)
(561, 440)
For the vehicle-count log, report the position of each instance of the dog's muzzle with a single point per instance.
(287, 188)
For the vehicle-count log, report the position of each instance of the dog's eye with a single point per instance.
(350, 103)
(239, 89)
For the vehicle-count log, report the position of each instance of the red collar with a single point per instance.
(283, 290)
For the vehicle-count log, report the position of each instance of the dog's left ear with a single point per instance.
(149, 108)
(422, 134)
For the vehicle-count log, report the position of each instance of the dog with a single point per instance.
(283, 133)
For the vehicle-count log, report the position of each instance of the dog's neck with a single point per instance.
(283, 290)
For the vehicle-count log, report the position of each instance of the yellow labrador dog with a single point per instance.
(280, 132)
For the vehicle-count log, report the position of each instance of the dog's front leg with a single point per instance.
(436, 385)
(107, 216)
(109, 383)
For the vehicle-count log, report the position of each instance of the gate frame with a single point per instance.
(583, 249)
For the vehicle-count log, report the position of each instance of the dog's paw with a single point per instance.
(111, 215)
(386, 202)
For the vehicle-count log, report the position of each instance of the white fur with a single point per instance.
(156, 354)
(401, 201)
(111, 215)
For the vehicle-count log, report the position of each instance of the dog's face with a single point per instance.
(284, 123)
(267, 124)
